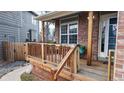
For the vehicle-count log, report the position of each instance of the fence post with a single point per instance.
(26, 50)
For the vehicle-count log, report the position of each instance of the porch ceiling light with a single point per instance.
(93, 17)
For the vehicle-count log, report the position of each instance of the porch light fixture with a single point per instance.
(93, 17)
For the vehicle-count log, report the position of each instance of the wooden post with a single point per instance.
(110, 58)
(78, 59)
(90, 30)
(26, 50)
(42, 36)
(109, 66)
(75, 61)
(42, 45)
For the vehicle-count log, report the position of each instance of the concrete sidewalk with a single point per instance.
(15, 74)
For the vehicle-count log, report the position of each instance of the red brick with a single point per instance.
(117, 75)
(120, 61)
(57, 30)
(120, 66)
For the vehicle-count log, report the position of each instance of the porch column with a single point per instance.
(57, 31)
(90, 30)
(42, 36)
(43, 39)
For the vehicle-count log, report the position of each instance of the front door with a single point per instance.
(107, 35)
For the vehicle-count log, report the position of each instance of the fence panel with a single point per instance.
(13, 51)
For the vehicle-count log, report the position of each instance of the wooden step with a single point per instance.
(78, 77)
(75, 77)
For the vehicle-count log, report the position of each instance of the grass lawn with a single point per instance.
(28, 77)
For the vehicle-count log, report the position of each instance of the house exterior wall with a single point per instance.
(27, 24)
(83, 32)
(119, 56)
(14, 26)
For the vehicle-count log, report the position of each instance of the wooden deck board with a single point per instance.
(97, 70)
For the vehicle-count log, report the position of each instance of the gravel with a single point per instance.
(6, 68)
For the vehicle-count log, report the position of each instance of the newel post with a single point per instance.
(76, 60)
(90, 33)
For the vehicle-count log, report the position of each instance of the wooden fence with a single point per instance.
(13, 51)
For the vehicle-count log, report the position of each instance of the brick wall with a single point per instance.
(119, 63)
(57, 30)
(83, 32)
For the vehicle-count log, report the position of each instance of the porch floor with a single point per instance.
(98, 70)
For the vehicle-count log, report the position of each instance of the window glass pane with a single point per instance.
(112, 33)
(73, 28)
(103, 39)
(73, 39)
(113, 20)
(63, 38)
(64, 29)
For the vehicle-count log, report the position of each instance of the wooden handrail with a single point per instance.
(63, 62)
(50, 44)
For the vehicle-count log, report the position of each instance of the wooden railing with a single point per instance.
(61, 56)
(50, 53)
(69, 58)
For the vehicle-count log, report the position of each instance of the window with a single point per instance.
(112, 33)
(33, 20)
(64, 35)
(69, 33)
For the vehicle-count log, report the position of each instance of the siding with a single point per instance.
(27, 24)
(15, 24)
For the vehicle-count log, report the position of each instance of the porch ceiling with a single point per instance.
(55, 14)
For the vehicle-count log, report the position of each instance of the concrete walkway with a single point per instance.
(15, 74)
(10, 66)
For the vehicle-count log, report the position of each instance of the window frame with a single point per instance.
(34, 22)
(68, 34)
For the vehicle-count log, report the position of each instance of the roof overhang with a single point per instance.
(54, 15)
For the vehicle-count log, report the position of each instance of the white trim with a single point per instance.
(68, 23)
(104, 17)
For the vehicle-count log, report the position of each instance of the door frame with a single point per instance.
(104, 17)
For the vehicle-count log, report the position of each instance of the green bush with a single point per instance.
(27, 77)
(51, 42)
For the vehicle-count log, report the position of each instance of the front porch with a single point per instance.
(95, 30)
(59, 62)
